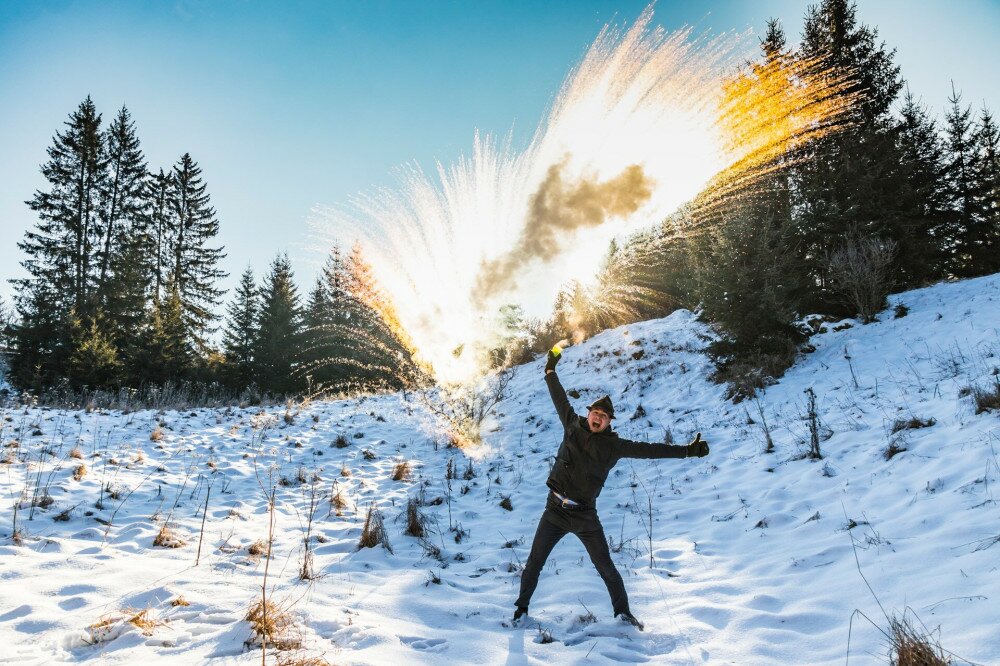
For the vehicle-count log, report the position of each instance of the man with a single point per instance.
(590, 448)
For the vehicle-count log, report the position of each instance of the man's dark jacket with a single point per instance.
(586, 457)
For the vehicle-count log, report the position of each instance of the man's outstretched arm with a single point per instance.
(559, 399)
(696, 449)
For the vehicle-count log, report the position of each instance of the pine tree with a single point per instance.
(160, 224)
(984, 195)
(849, 181)
(167, 355)
(94, 361)
(316, 321)
(924, 171)
(240, 336)
(194, 264)
(278, 330)
(60, 249)
(125, 256)
(959, 179)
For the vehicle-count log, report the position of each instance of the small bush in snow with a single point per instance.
(272, 626)
(987, 399)
(401, 471)
(79, 472)
(341, 442)
(911, 423)
(166, 538)
(505, 503)
(373, 533)
(414, 519)
(910, 647)
(156, 435)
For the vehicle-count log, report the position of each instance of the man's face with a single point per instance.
(598, 420)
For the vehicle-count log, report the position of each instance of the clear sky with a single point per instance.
(290, 104)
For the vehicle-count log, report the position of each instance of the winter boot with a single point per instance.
(521, 611)
(631, 619)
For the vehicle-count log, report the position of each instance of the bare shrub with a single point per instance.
(910, 647)
(341, 442)
(414, 519)
(144, 620)
(258, 548)
(374, 533)
(166, 538)
(987, 400)
(505, 503)
(895, 448)
(912, 423)
(338, 502)
(272, 626)
(401, 471)
(859, 273)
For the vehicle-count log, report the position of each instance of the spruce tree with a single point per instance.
(984, 239)
(278, 330)
(194, 263)
(240, 336)
(959, 179)
(125, 256)
(850, 180)
(923, 166)
(167, 355)
(159, 186)
(316, 322)
(60, 250)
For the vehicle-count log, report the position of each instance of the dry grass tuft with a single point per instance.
(258, 548)
(180, 601)
(77, 453)
(79, 472)
(414, 520)
(505, 503)
(338, 502)
(401, 471)
(912, 423)
(272, 626)
(374, 533)
(166, 538)
(909, 647)
(341, 442)
(987, 400)
(345, 472)
(156, 435)
(144, 620)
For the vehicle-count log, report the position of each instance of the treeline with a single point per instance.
(122, 286)
(892, 200)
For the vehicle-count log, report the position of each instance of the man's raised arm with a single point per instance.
(559, 399)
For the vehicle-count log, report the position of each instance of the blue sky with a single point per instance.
(289, 104)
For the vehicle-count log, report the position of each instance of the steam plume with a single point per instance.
(555, 212)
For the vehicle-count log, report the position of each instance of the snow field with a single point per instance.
(753, 553)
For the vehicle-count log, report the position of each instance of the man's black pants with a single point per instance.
(554, 524)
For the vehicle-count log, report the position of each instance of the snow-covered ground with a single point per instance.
(748, 559)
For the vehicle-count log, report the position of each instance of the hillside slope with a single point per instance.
(748, 557)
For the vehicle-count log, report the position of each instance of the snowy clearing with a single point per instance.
(748, 558)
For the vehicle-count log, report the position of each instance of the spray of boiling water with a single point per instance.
(647, 120)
